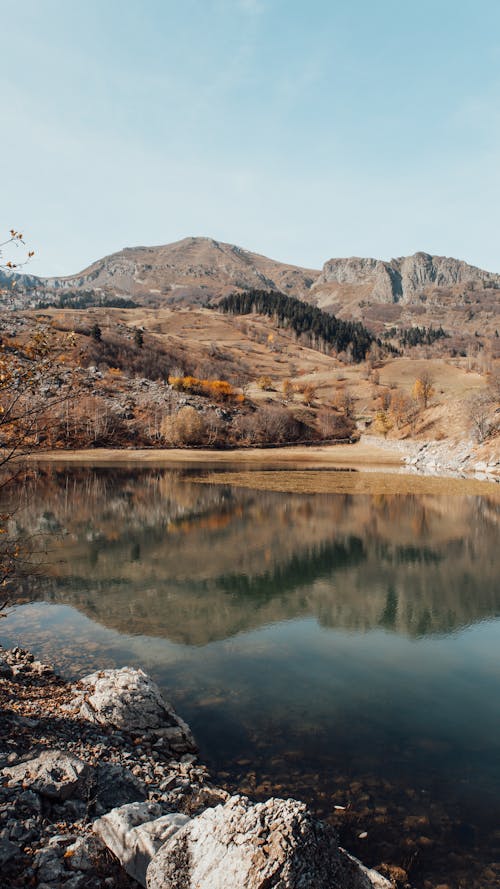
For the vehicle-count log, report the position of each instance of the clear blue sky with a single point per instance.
(302, 130)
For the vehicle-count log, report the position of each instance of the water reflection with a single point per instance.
(151, 553)
(342, 648)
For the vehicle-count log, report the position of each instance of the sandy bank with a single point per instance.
(355, 455)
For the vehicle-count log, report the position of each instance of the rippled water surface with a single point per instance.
(342, 648)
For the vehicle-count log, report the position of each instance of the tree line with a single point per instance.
(319, 327)
(85, 299)
(417, 336)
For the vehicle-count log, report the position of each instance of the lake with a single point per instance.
(341, 648)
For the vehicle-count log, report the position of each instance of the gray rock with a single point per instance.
(117, 786)
(50, 866)
(5, 669)
(128, 699)
(53, 774)
(30, 800)
(134, 833)
(273, 844)
(77, 881)
(82, 854)
(400, 280)
(8, 850)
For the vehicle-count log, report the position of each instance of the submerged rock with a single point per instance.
(134, 833)
(257, 846)
(129, 700)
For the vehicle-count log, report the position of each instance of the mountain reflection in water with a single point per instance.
(151, 553)
(342, 648)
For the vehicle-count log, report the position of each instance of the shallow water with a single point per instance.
(341, 648)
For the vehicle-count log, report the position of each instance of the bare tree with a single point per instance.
(480, 416)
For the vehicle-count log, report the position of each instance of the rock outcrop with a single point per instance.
(400, 280)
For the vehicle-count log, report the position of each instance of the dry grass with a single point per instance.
(342, 482)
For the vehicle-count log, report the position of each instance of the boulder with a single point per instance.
(53, 774)
(135, 833)
(129, 700)
(257, 846)
(117, 786)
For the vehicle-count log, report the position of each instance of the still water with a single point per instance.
(340, 648)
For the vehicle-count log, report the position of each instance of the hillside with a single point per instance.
(419, 290)
(246, 380)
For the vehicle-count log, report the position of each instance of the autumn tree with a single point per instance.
(423, 388)
(287, 389)
(332, 425)
(344, 401)
(404, 409)
(265, 383)
(13, 242)
(272, 424)
(308, 393)
(383, 423)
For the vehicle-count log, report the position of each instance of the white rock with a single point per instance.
(256, 846)
(128, 699)
(134, 833)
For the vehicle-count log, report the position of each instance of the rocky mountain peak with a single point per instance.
(401, 279)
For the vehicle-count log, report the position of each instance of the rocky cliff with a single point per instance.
(400, 280)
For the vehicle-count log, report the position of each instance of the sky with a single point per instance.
(300, 130)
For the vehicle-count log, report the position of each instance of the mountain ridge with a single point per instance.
(421, 288)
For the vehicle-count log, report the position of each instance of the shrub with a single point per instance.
(186, 427)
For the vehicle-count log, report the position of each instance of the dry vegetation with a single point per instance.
(195, 378)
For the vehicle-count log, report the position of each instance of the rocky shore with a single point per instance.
(439, 458)
(101, 787)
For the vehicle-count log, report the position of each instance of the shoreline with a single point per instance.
(105, 765)
(358, 454)
(365, 467)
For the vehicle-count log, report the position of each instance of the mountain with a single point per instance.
(419, 289)
(404, 289)
(188, 271)
(400, 280)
